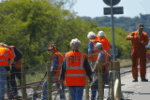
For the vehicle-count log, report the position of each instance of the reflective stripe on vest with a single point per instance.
(94, 42)
(74, 67)
(6, 55)
(13, 50)
(57, 75)
(106, 43)
(79, 75)
(95, 53)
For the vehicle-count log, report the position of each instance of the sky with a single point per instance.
(94, 8)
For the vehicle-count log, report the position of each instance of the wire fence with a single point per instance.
(32, 83)
(27, 90)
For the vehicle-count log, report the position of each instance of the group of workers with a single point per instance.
(71, 68)
(98, 48)
(10, 67)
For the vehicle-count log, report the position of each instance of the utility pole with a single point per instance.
(112, 32)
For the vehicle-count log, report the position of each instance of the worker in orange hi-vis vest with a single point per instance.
(104, 41)
(104, 57)
(92, 51)
(56, 66)
(74, 70)
(16, 69)
(5, 55)
(139, 40)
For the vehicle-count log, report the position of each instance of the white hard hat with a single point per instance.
(3, 44)
(75, 43)
(91, 35)
(99, 45)
(101, 33)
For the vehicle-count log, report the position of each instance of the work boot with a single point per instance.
(135, 80)
(144, 80)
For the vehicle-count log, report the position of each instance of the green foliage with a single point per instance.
(31, 25)
(127, 23)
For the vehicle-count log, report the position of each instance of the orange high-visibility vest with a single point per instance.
(12, 48)
(3, 56)
(95, 51)
(64, 56)
(17, 64)
(75, 74)
(56, 74)
(106, 61)
(105, 43)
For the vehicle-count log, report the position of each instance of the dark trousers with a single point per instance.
(17, 73)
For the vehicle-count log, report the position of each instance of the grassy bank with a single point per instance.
(38, 75)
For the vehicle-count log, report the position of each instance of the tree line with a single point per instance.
(31, 25)
(127, 23)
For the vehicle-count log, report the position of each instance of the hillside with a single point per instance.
(127, 23)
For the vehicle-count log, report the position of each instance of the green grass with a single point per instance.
(39, 75)
(125, 62)
(32, 78)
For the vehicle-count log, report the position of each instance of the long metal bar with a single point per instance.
(112, 29)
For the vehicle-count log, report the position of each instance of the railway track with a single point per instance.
(32, 84)
(35, 84)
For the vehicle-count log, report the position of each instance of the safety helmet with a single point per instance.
(75, 43)
(91, 35)
(3, 44)
(101, 33)
(52, 47)
(99, 45)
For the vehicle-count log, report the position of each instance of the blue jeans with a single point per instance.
(76, 92)
(44, 95)
(94, 86)
(3, 79)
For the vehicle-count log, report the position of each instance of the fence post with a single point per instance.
(119, 79)
(23, 82)
(87, 89)
(49, 82)
(112, 81)
(100, 79)
(69, 96)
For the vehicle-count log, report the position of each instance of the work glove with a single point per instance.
(130, 37)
